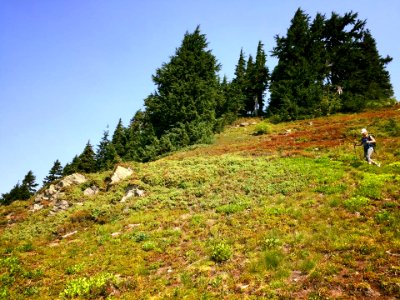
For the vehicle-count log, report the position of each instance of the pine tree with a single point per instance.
(291, 78)
(250, 88)
(72, 167)
(261, 77)
(20, 191)
(238, 86)
(187, 88)
(29, 185)
(106, 155)
(119, 139)
(13, 195)
(87, 160)
(55, 173)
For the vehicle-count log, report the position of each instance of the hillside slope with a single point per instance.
(291, 214)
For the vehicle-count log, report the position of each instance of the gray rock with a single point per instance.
(73, 179)
(120, 174)
(132, 191)
(91, 191)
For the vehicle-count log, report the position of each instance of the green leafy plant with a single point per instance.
(149, 245)
(262, 128)
(356, 203)
(221, 252)
(90, 288)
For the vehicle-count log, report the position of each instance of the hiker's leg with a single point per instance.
(366, 157)
(369, 153)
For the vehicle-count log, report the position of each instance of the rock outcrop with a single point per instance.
(53, 195)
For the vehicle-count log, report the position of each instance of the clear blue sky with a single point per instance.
(70, 68)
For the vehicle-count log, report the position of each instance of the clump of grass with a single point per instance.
(355, 204)
(74, 269)
(272, 259)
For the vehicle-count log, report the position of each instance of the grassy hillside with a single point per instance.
(290, 214)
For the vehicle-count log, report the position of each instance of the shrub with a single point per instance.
(148, 246)
(262, 128)
(356, 203)
(90, 288)
(221, 252)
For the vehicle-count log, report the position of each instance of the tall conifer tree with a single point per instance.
(119, 139)
(187, 90)
(55, 173)
(106, 155)
(87, 160)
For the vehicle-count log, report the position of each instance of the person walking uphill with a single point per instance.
(368, 142)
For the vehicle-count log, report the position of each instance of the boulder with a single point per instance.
(73, 179)
(91, 191)
(120, 174)
(132, 191)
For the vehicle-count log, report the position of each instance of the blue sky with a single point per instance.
(70, 68)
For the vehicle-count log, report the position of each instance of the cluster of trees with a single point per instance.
(324, 66)
(21, 191)
(190, 104)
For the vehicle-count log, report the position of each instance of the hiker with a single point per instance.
(369, 142)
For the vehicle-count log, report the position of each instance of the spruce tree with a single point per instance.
(87, 160)
(250, 88)
(72, 167)
(20, 191)
(187, 90)
(260, 77)
(29, 185)
(238, 86)
(292, 77)
(13, 195)
(55, 173)
(355, 64)
(106, 155)
(119, 139)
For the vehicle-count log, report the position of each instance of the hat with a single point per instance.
(364, 131)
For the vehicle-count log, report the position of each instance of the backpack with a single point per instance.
(373, 144)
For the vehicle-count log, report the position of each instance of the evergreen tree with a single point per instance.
(328, 65)
(29, 184)
(55, 173)
(250, 89)
(87, 160)
(238, 86)
(20, 191)
(355, 64)
(72, 167)
(142, 141)
(187, 88)
(13, 195)
(119, 139)
(232, 105)
(291, 78)
(376, 79)
(260, 77)
(106, 155)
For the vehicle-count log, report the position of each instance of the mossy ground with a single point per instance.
(291, 214)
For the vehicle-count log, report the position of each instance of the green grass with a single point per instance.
(249, 217)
